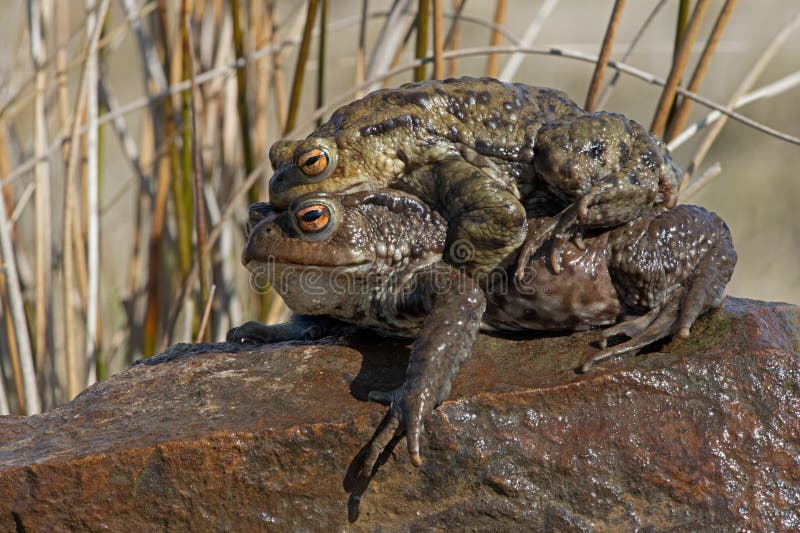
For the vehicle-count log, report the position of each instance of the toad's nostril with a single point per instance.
(278, 180)
(258, 212)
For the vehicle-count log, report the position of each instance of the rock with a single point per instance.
(701, 434)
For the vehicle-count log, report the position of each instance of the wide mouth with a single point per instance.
(259, 265)
(286, 278)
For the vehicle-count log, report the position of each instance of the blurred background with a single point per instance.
(134, 133)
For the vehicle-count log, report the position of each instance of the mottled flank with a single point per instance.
(481, 150)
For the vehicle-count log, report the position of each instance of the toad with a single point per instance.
(375, 260)
(480, 152)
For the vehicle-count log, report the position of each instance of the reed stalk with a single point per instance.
(423, 23)
(10, 332)
(264, 20)
(17, 310)
(453, 39)
(242, 106)
(438, 41)
(495, 39)
(300, 68)
(636, 38)
(361, 48)
(11, 340)
(682, 52)
(93, 192)
(201, 333)
(181, 159)
(677, 121)
(321, 62)
(163, 119)
(44, 226)
(605, 53)
(74, 381)
(197, 174)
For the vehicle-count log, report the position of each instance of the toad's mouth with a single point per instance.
(279, 267)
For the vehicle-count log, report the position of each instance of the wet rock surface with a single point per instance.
(699, 434)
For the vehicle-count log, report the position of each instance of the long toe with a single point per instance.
(661, 326)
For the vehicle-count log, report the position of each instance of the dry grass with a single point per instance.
(134, 133)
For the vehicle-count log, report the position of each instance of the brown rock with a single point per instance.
(703, 434)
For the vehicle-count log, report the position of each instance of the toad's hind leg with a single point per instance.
(677, 264)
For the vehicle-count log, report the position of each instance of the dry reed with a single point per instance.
(191, 150)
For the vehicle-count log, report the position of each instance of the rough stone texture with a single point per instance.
(702, 434)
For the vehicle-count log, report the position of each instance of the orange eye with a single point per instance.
(313, 162)
(313, 218)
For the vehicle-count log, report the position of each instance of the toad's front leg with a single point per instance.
(486, 221)
(454, 306)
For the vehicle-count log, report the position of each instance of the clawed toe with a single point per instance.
(630, 328)
(387, 431)
(561, 229)
(658, 323)
(529, 247)
(245, 334)
(404, 417)
(583, 205)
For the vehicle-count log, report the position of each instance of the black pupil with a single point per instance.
(312, 215)
(311, 160)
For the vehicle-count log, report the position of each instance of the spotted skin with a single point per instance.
(378, 263)
(477, 150)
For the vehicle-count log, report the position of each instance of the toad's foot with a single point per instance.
(403, 417)
(561, 228)
(658, 323)
(298, 328)
(641, 331)
(443, 343)
(611, 166)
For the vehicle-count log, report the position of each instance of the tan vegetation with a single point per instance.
(133, 134)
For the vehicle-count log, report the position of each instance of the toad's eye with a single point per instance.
(313, 218)
(313, 161)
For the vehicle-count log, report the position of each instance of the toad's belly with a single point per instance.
(581, 296)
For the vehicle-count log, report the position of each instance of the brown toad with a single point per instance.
(374, 259)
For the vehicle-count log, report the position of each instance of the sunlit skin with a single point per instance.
(647, 279)
(487, 155)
